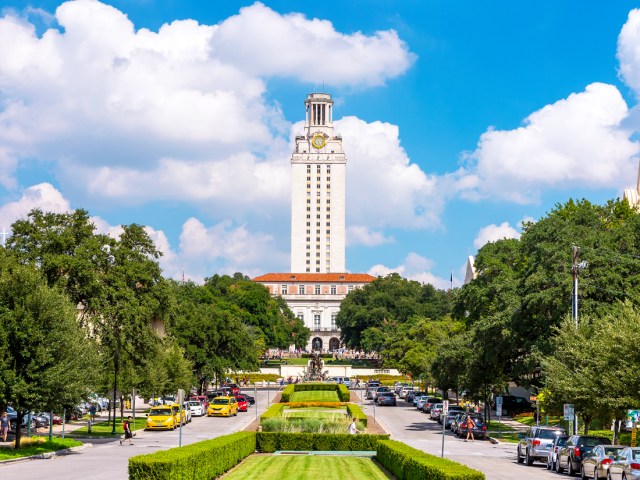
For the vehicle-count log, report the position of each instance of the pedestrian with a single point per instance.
(92, 412)
(353, 427)
(470, 426)
(4, 426)
(126, 426)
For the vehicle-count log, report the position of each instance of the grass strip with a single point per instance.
(103, 429)
(36, 446)
(307, 467)
(315, 396)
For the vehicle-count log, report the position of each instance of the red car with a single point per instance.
(235, 390)
(202, 399)
(243, 404)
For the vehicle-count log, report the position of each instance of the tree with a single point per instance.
(44, 352)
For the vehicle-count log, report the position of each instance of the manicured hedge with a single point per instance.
(269, 442)
(355, 411)
(274, 411)
(199, 461)
(343, 392)
(407, 463)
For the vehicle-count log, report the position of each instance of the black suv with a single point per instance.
(577, 447)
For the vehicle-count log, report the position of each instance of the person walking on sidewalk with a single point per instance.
(126, 426)
(470, 426)
(4, 426)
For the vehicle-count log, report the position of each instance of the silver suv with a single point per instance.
(536, 443)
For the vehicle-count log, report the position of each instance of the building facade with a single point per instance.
(318, 281)
(632, 195)
(315, 299)
(318, 168)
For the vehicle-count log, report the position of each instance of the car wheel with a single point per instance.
(570, 470)
(519, 457)
(528, 460)
(583, 475)
(559, 468)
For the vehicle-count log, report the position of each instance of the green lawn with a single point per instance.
(36, 445)
(334, 413)
(103, 428)
(307, 467)
(315, 396)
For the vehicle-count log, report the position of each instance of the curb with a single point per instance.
(47, 455)
(494, 441)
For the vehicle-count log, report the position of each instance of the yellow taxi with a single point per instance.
(161, 417)
(222, 407)
(176, 413)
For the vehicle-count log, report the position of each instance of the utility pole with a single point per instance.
(576, 267)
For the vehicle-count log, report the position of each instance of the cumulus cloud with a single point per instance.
(415, 267)
(493, 232)
(628, 52)
(362, 235)
(43, 196)
(579, 141)
(184, 105)
(385, 188)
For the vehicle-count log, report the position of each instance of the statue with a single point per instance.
(314, 368)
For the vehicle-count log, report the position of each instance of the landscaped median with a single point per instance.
(341, 390)
(212, 458)
(37, 446)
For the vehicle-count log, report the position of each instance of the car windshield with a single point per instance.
(387, 394)
(220, 401)
(593, 441)
(240, 398)
(549, 434)
(160, 412)
(193, 404)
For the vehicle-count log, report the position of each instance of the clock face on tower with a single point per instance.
(318, 141)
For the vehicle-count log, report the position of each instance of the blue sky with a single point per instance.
(460, 120)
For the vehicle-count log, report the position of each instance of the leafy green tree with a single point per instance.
(44, 353)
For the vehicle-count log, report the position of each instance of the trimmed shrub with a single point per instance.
(269, 442)
(198, 461)
(274, 411)
(343, 392)
(407, 463)
(355, 411)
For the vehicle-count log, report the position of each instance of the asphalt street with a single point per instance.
(498, 462)
(106, 459)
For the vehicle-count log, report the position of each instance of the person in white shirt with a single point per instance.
(353, 427)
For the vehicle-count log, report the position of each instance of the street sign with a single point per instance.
(445, 407)
(569, 413)
(499, 401)
(499, 406)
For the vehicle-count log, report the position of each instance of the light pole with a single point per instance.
(575, 269)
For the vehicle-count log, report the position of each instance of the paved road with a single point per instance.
(108, 460)
(498, 462)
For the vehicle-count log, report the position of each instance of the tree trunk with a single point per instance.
(19, 418)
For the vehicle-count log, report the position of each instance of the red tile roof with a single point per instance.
(315, 278)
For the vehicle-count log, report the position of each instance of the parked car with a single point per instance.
(369, 388)
(404, 391)
(412, 395)
(222, 406)
(346, 381)
(235, 389)
(179, 413)
(203, 399)
(161, 417)
(536, 443)
(379, 390)
(386, 398)
(455, 423)
(431, 401)
(454, 411)
(420, 401)
(577, 447)
(187, 412)
(596, 463)
(626, 465)
(250, 399)
(195, 407)
(243, 405)
(479, 431)
(552, 457)
(399, 386)
(435, 411)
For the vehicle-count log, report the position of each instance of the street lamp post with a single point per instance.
(575, 269)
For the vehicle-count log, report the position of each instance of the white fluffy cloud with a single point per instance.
(43, 196)
(493, 232)
(180, 113)
(414, 267)
(579, 141)
(362, 235)
(629, 51)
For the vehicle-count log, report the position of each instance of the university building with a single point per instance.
(318, 281)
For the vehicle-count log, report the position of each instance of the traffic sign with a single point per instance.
(569, 412)
(445, 407)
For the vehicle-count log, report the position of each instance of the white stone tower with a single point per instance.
(318, 167)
